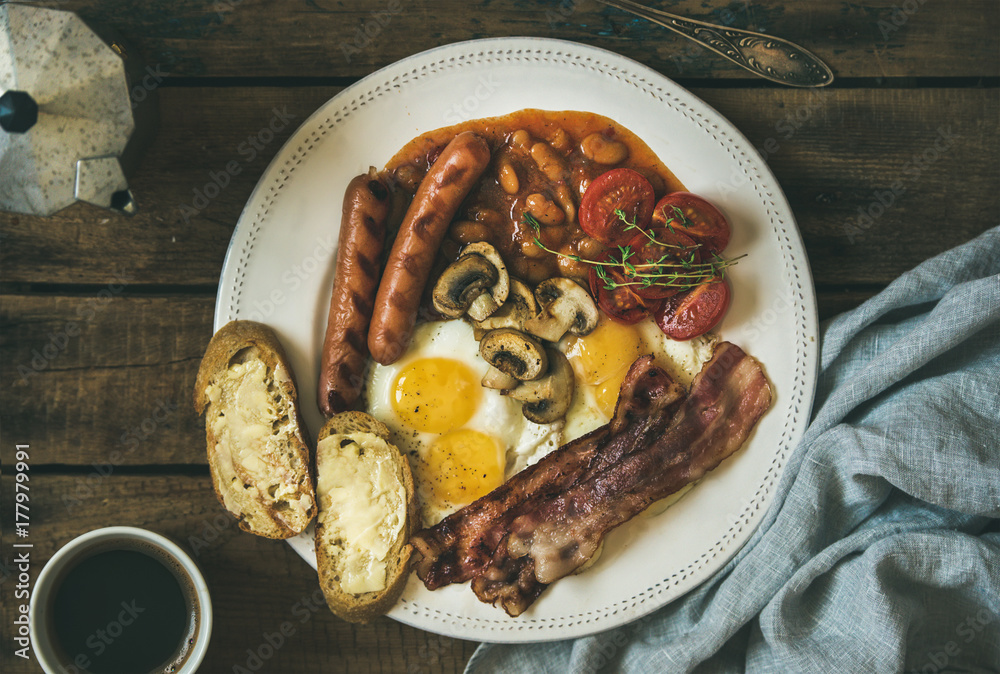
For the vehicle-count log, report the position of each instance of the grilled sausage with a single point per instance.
(441, 192)
(345, 347)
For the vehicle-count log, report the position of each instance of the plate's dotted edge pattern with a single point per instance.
(278, 182)
(753, 509)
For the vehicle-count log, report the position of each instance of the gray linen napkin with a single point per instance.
(881, 550)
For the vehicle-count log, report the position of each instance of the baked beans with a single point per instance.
(542, 164)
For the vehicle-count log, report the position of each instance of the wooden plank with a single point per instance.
(102, 379)
(833, 301)
(253, 38)
(115, 390)
(833, 152)
(257, 585)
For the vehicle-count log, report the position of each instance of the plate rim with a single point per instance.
(640, 604)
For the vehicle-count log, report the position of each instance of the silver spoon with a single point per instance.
(770, 57)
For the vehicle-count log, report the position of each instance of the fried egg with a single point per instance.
(602, 358)
(462, 440)
(600, 362)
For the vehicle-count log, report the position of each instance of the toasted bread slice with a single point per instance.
(257, 450)
(367, 509)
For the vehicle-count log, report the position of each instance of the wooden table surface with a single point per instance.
(105, 318)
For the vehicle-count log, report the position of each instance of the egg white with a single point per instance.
(681, 360)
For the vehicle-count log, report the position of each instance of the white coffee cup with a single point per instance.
(53, 658)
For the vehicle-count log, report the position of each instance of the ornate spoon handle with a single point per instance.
(770, 57)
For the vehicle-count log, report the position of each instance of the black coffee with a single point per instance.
(124, 611)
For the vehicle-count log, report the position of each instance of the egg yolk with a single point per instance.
(465, 464)
(602, 359)
(606, 393)
(435, 395)
(603, 353)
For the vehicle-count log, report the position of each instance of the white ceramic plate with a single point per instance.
(279, 270)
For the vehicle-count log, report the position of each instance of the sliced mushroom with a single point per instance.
(547, 398)
(565, 307)
(514, 353)
(519, 307)
(488, 302)
(464, 281)
(496, 379)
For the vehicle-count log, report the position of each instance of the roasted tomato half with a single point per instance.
(620, 189)
(694, 312)
(665, 259)
(694, 217)
(619, 301)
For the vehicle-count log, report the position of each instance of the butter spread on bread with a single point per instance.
(367, 509)
(362, 507)
(257, 452)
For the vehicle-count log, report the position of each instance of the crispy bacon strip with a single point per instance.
(640, 458)
(508, 581)
(551, 539)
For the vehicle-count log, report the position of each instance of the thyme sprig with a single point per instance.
(631, 224)
(676, 268)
